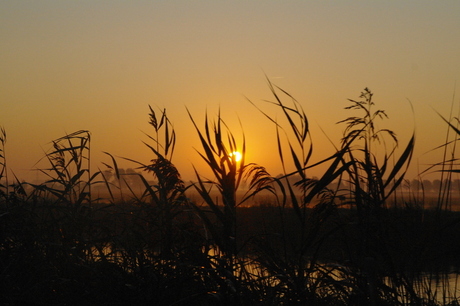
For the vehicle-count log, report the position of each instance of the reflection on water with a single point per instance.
(442, 287)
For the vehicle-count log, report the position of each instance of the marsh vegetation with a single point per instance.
(347, 237)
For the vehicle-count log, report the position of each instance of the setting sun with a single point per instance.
(236, 156)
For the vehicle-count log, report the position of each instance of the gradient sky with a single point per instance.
(97, 65)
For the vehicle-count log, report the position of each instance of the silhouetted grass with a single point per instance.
(343, 238)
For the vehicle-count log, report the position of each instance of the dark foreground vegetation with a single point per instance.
(289, 240)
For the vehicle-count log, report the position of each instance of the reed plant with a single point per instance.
(159, 238)
(294, 259)
(3, 167)
(447, 167)
(48, 234)
(166, 196)
(220, 214)
(67, 191)
(374, 174)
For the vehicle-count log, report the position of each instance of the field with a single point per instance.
(352, 236)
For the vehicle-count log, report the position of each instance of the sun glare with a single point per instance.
(235, 156)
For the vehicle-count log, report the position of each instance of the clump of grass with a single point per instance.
(69, 176)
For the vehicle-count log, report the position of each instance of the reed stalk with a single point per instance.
(4, 183)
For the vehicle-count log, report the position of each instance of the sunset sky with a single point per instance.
(97, 65)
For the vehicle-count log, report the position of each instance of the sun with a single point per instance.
(235, 155)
